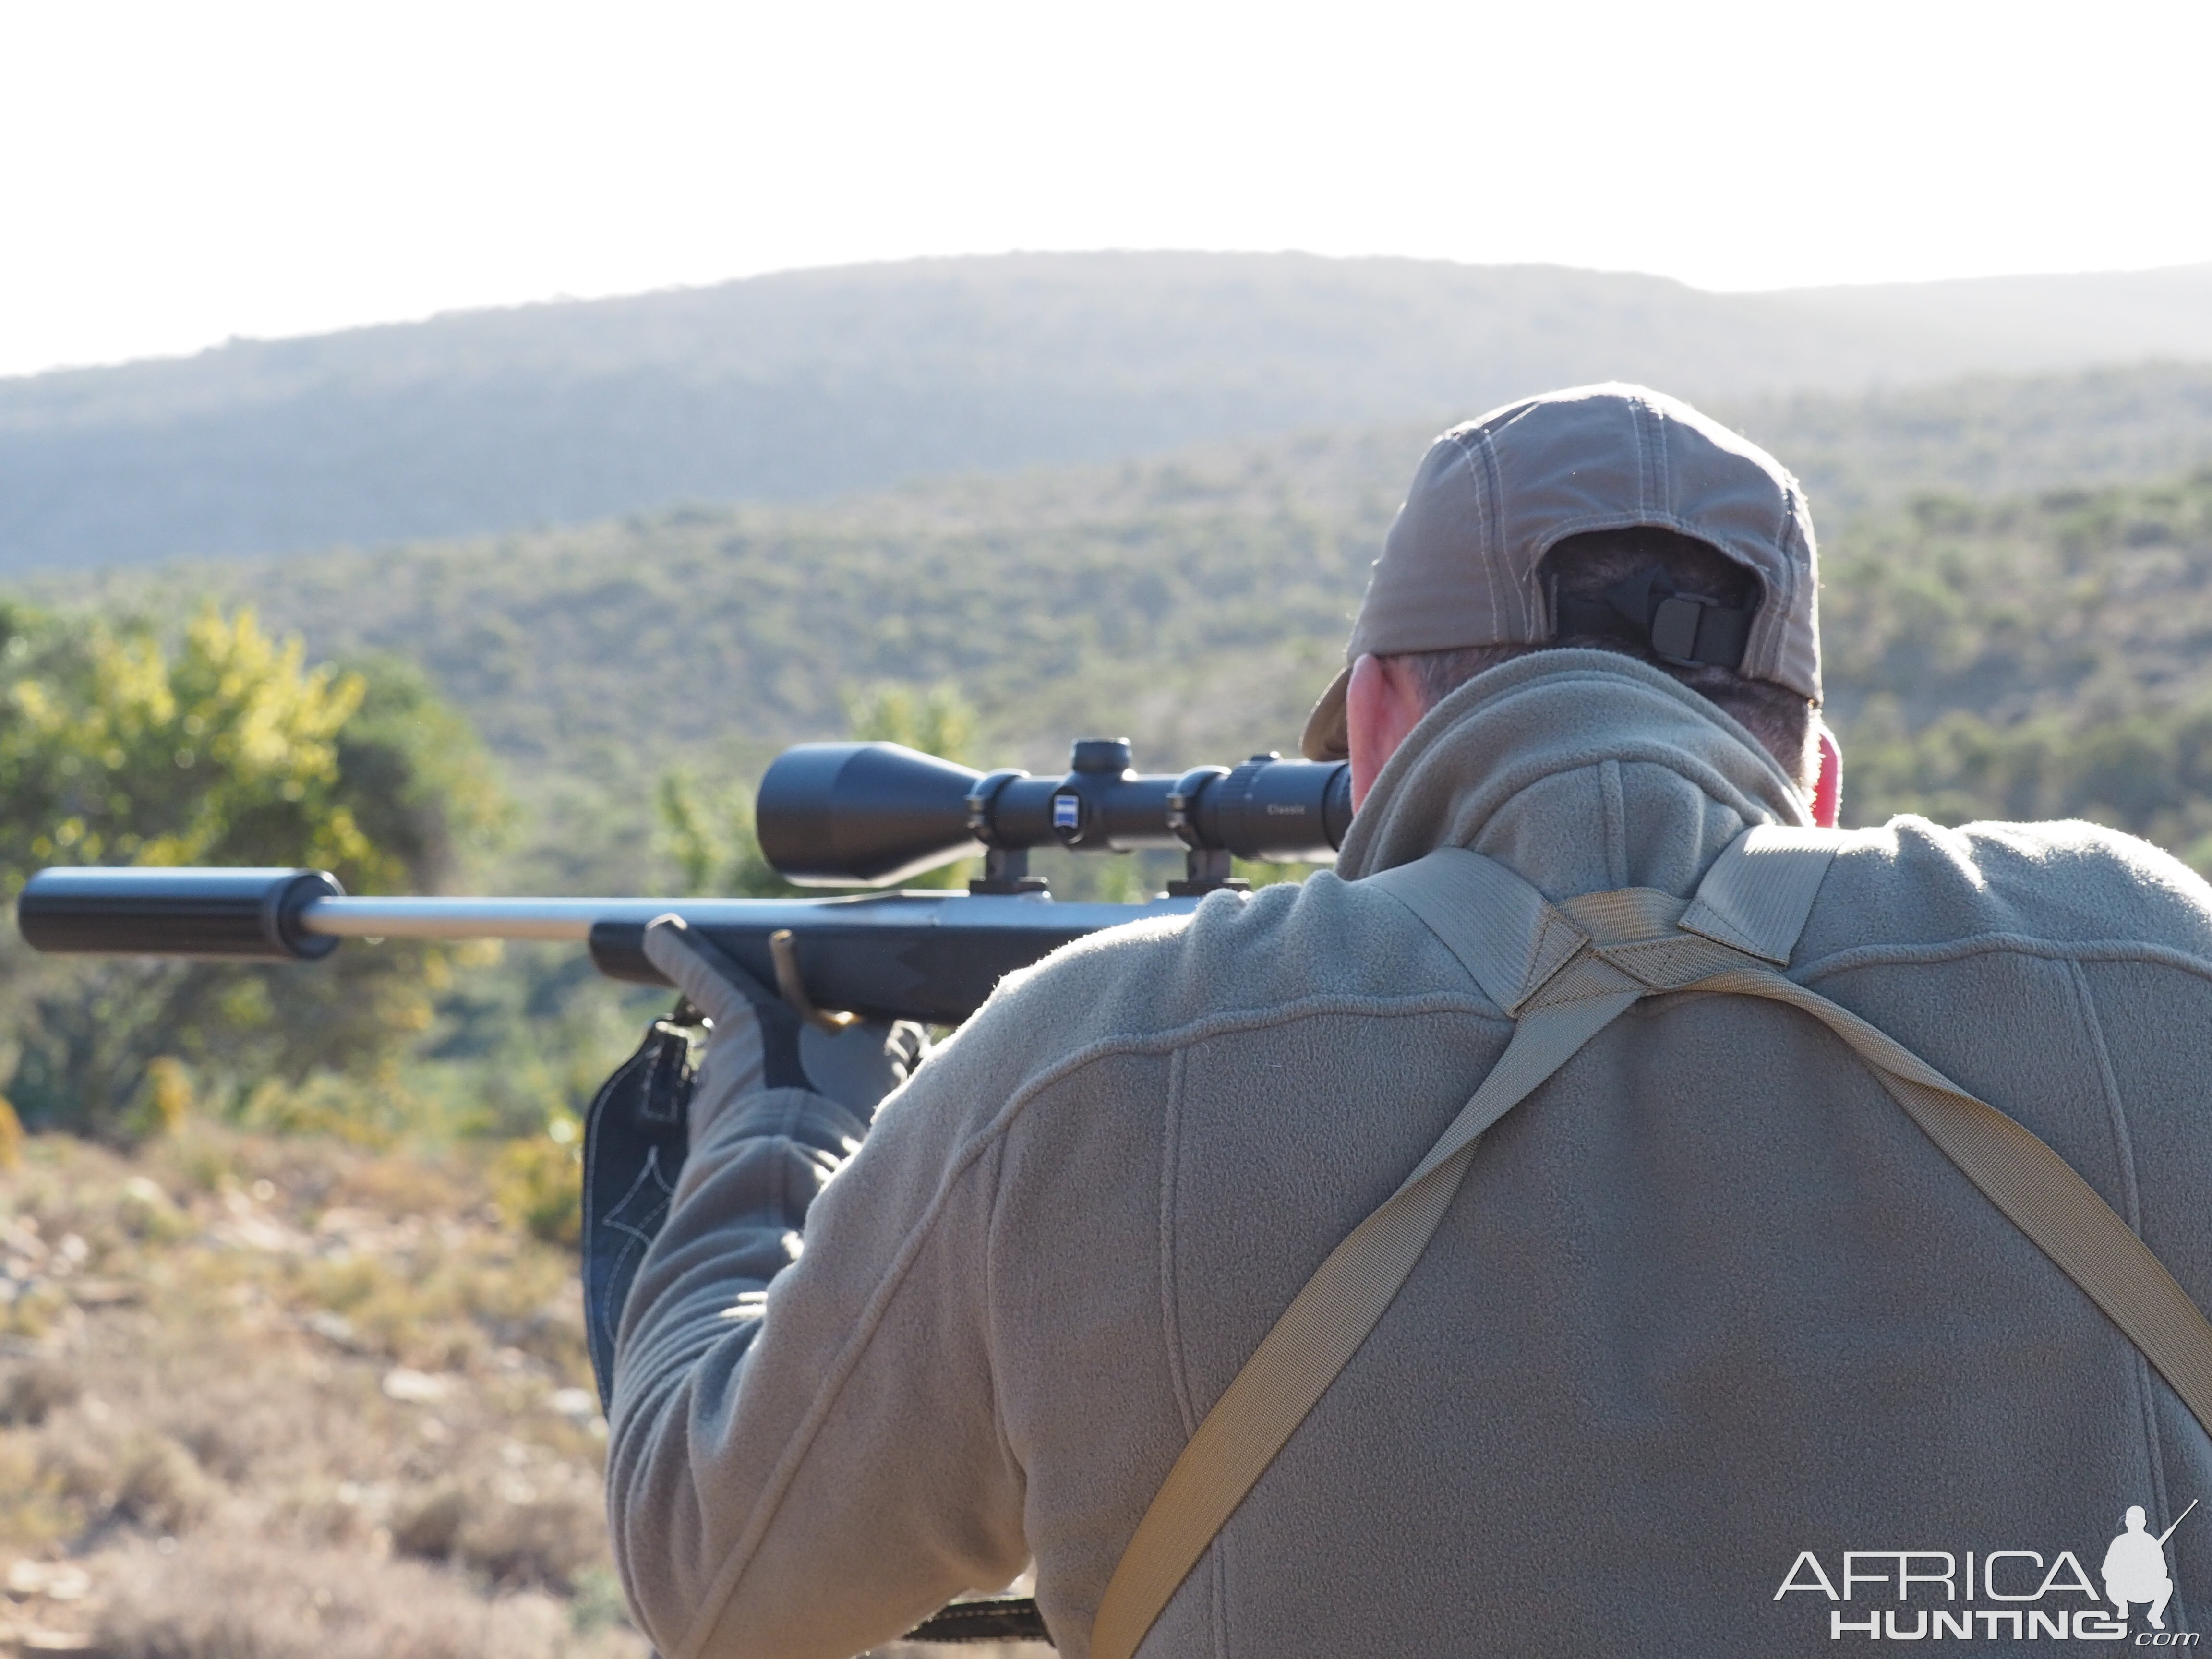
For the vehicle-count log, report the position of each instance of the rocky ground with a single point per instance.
(276, 1397)
(268, 1397)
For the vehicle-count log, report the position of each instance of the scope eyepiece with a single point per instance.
(869, 814)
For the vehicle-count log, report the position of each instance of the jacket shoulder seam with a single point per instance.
(1907, 956)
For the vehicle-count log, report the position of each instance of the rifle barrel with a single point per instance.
(2177, 1520)
(574, 918)
(929, 955)
(559, 919)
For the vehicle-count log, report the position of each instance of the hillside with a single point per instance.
(1197, 602)
(1988, 436)
(816, 383)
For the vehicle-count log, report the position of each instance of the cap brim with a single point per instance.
(1328, 737)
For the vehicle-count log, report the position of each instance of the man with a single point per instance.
(1703, 1301)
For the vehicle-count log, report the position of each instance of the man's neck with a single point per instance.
(1582, 770)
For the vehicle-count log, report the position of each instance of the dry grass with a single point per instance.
(261, 1397)
(264, 1397)
(235, 1600)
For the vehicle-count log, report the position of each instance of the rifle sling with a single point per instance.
(1565, 972)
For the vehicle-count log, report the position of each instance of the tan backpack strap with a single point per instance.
(1569, 971)
(1506, 934)
(1755, 899)
(1317, 1335)
(2037, 1190)
(1759, 890)
(1342, 1303)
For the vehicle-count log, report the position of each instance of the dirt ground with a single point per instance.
(262, 1398)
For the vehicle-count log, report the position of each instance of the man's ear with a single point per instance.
(1382, 703)
(1828, 792)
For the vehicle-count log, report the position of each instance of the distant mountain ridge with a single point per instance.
(816, 383)
(1197, 602)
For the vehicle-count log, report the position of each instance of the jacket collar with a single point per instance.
(1581, 771)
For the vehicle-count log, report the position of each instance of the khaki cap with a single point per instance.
(1492, 497)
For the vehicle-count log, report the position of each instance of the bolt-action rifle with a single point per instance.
(828, 815)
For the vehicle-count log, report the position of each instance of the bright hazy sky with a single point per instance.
(174, 173)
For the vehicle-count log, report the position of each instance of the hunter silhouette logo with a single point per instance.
(2134, 1567)
(1999, 1595)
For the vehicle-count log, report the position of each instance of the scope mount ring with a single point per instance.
(982, 798)
(1184, 796)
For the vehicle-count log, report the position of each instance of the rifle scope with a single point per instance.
(869, 814)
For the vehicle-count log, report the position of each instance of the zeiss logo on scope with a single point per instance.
(1067, 812)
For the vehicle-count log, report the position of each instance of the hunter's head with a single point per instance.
(1608, 517)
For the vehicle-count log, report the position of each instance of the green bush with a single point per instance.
(118, 747)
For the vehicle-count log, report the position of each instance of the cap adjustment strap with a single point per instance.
(1678, 628)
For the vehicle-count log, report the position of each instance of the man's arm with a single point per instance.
(805, 1455)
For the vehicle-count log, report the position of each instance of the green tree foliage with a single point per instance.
(113, 751)
(2147, 772)
(2031, 659)
(118, 748)
(707, 833)
(937, 720)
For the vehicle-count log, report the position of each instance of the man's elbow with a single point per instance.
(656, 1520)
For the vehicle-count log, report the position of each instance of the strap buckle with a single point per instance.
(1686, 630)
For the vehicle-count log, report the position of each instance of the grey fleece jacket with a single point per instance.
(1707, 1303)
